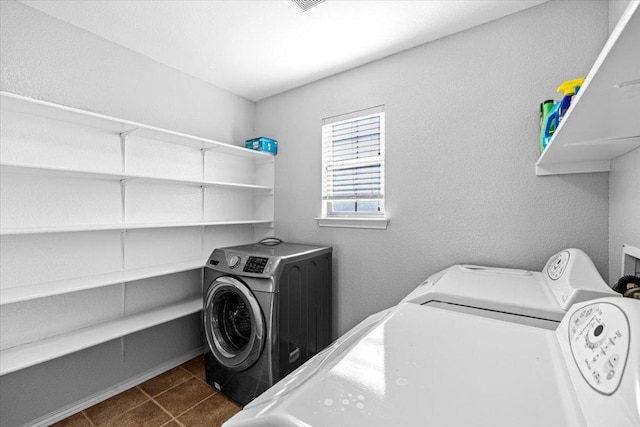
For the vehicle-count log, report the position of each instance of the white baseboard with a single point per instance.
(67, 411)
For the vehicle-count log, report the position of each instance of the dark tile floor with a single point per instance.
(178, 397)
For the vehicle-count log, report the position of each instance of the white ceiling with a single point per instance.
(263, 47)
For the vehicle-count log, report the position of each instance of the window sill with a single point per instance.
(373, 223)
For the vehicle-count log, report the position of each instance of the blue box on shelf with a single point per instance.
(267, 145)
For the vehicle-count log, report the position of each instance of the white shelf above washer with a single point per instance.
(26, 355)
(9, 231)
(40, 290)
(48, 110)
(78, 173)
(602, 123)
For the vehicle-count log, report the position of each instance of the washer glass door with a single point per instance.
(233, 323)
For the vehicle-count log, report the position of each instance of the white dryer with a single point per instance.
(476, 346)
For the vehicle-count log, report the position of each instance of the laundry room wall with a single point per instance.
(624, 187)
(616, 9)
(624, 208)
(462, 126)
(47, 59)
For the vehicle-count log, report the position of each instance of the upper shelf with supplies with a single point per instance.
(24, 105)
(604, 120)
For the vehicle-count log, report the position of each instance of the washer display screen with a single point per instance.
(255, 265)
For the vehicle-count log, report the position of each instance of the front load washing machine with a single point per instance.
(267, 310)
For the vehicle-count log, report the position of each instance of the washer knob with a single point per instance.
(233, 261)
(596, 336)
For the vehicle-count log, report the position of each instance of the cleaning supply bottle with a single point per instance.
(545, 110)
(550, 125)
(569, 88)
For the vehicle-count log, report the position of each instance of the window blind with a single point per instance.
(353, 163)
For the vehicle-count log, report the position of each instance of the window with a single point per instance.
(353, 167)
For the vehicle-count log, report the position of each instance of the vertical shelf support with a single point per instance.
(123, 233)
(123, 199)
(123, 142)
(203, 152)
(203, 231)
(202, 217)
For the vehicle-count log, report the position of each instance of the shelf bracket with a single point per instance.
(202, 193)
(126, 133)
(203, 152)
(203, 157)
(123, 141)
(123, 248)
(123, 198)
(203, 238)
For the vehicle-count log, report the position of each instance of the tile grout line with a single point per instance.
(167, 389)
(191, 407)
(160, 406)
(154, 401)
(174, 418)
(86, 417)
(121, 413)
(186, 370)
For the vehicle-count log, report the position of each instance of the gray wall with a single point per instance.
(462, 120)
(44, 58)
(624, 209)
(462, 139)
(624, 188)
(616, 9)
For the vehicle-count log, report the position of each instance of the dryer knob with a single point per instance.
(233, 261)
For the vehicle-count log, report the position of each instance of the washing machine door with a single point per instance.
(234, 324)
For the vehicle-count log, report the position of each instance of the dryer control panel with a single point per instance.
(572, 277)
(599, 341)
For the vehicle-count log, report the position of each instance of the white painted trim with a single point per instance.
(372, 223)
(76, 407)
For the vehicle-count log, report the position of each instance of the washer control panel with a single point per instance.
(599, 341)
(233, 261)
(257, 265)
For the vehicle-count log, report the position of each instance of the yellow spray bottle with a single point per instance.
(570, 88)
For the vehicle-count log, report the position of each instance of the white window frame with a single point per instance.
(329, 218)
